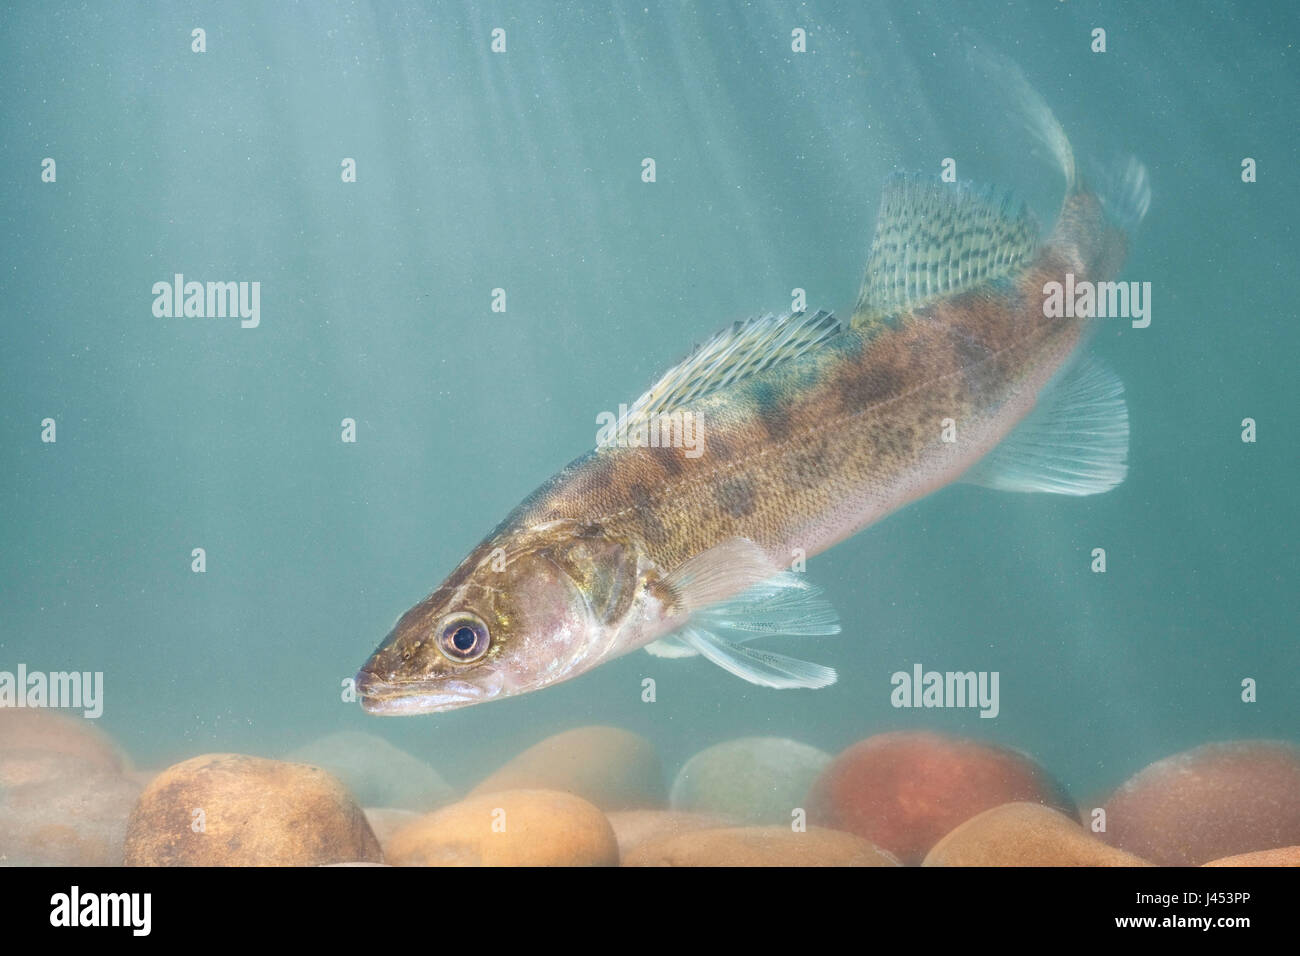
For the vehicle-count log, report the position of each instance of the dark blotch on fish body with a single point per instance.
(735, 496)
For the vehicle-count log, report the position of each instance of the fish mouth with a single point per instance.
(397, 698)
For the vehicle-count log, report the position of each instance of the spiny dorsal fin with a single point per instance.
(737, 352)
(934, 240)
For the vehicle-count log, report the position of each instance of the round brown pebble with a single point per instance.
(1282, 856)
(1215, 801)
(905, 791)
(1025, 834)
(354, 864)
(509, 828)
(612, 768)
(376, 772)
(50, 732)
(236, 810)
(61, 810)
(385, 821)
(635, 827)
(751, 780)
(760, 846)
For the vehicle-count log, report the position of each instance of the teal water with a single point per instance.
(523, 171)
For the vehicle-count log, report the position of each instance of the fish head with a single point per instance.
(525, 610)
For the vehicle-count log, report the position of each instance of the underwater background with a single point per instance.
(522, 171)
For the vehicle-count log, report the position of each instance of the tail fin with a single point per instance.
(1029, 107)
(1122, 187)
(1124, 190)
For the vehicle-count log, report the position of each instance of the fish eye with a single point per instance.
(463, 637)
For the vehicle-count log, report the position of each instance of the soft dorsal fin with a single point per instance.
(934, 240)
(737, 352)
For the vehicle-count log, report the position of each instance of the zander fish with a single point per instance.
(810, 429)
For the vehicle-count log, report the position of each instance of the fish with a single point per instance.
(808, 429)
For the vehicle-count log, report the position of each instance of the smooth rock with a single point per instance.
(1215, 801)
(1025, 834)
(255, 812)
(21, 768)
(635, 827)
(751, 779)
(48, 731)
(760, 846)
(385, 821)
(62, 810)
(508, 828)
(1282, 856)
(905, 791)
(376, 773)
(612, 768)
(327, 865)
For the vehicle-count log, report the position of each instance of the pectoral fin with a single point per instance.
(772, 604)
(726, 569)
(758, 667)
(1074, 442)
(671, 647)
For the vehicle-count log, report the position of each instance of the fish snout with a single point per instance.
(386, 693)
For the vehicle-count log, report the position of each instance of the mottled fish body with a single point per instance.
(807, 430)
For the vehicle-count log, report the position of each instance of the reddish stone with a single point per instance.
(1214, 801)
(904, 791)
